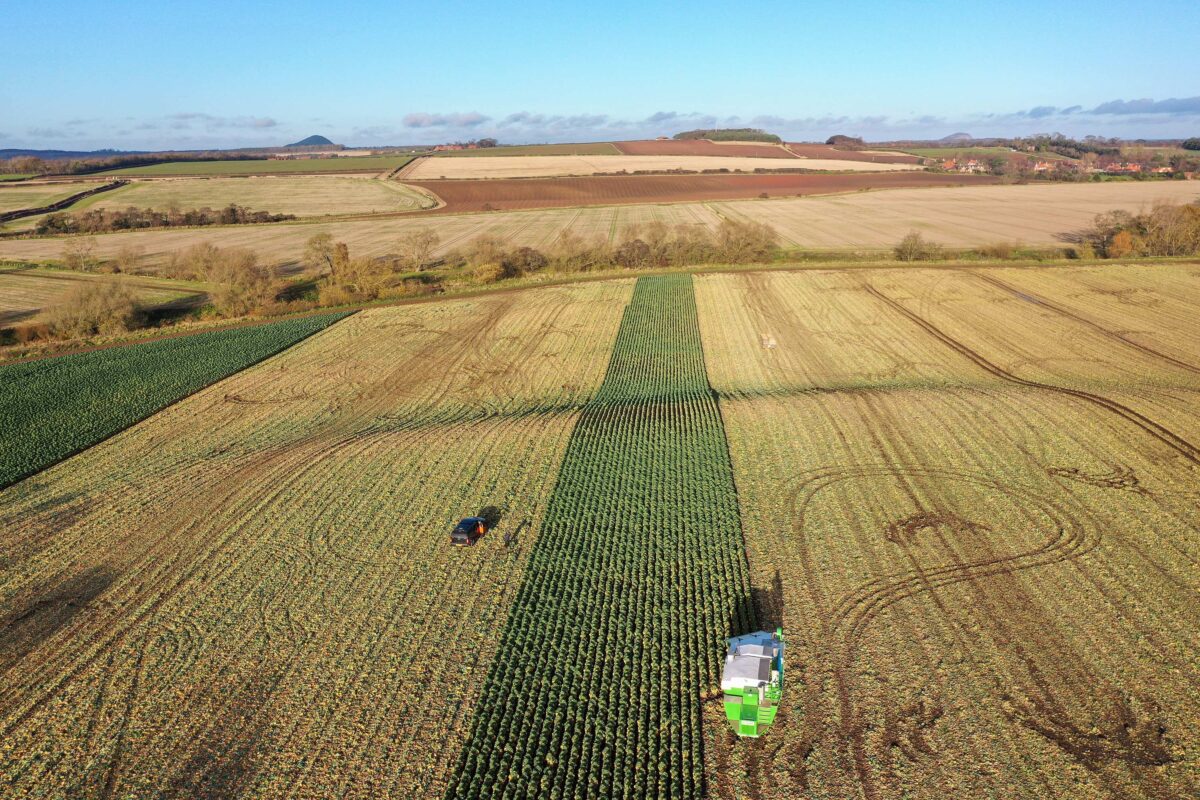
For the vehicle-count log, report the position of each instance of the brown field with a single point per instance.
(828, 151)
(26, 294)
(702, 147)
(973, 512)
(554, 166)
(301, 195)
(1036, 214)
(495, 195)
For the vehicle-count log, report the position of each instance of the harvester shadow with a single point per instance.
(761, 610)
(39, 618)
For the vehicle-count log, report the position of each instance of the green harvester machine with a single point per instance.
(752, 681)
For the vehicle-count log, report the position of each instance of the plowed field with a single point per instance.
(553, 192)
(701, 147)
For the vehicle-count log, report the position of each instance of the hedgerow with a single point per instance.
(637, 576)
(54, 407)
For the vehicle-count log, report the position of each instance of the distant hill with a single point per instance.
(311, 141)
(731, 135)
(957, 137)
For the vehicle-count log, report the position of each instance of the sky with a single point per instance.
(135, 74)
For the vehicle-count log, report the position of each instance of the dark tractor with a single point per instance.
(469, 531)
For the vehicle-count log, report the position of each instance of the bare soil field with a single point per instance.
(702, 147)
(26, 294)
(301, 195)
(552, 166)
(495, 195)
(974, 514)
(829, 151)
(251, 593)
(964, 216)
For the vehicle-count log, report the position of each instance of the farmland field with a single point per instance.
(51, 408)
(26, 294)
(269, 166)
(521, 193)
(963, 216)
(636, 578)
(251, 593)
(702, 147)
(301, 195)
(968, 496)
(974, 515)
(549, 166)
(828, 151)
(580, 149)
(33, 195)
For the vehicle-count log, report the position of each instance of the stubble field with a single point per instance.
(551, 166)
(974, 514)
(301, 195)
(967, 495)
(251, 593)
(966, 216)
(27, 294)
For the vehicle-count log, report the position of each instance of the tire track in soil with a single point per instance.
(1154, 429)
(285, 464)
(1069, 314)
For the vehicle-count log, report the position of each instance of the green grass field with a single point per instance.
(54, 407)
(583, 149)
(15, 177)
(268, 167)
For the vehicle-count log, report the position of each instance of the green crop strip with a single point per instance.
(637, 577)
(55, 407)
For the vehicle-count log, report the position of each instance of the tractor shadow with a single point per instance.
(762, 610)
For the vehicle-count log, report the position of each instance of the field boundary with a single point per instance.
(59, 205)
(241, 367)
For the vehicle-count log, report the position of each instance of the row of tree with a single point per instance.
(132, 218)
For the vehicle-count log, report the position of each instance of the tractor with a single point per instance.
(752, 681)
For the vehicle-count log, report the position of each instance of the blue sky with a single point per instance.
(138, 74)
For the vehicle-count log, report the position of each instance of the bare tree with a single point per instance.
(416, 247)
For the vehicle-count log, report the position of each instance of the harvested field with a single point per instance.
(269, 166)
(580, 149)
(500, 194)
(702, 147)
(26, 294)
(987, 574)
(550, 166)
(301, 195)
(33, 195)
(1044, 214)
(240, 595)
(1036, 214)
(829, 151)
